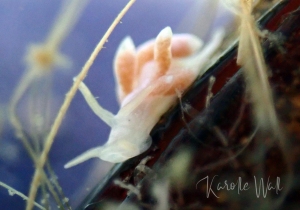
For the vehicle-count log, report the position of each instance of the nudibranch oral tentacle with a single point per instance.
(102, 113)
(148, 80)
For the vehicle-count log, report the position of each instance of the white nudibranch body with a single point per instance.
(147, 80)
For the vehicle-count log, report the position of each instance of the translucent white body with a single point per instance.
(147, 80)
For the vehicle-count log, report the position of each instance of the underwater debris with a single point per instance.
(250, 57)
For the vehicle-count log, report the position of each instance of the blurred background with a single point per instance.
(25, 22)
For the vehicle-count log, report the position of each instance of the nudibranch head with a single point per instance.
(123, 150)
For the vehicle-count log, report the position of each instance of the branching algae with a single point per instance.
(58, 120)
(40, 61)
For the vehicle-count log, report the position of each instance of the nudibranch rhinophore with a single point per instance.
(148, 80)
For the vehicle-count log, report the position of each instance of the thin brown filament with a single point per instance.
(69, 96)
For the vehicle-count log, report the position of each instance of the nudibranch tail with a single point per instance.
(196, 63)
(102, 113)
(184, 45)
(91, 153)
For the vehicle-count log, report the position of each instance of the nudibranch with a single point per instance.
(148, 80)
